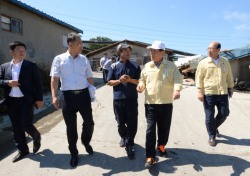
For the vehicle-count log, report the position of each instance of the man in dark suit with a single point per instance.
(22, 86)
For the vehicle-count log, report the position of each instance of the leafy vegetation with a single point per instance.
(99, 39)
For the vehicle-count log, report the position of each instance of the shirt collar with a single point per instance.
(212, 59)
(18, 64)
(122, 62)
(152, 63)
(69, 55)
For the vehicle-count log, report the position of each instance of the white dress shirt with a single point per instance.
(15, 69)
(216, 61)
(73, 72)
(105, 62)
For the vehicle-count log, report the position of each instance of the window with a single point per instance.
(65, 44)
(16, 26)
(5, 23)
(11, 24)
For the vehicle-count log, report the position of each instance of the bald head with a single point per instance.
(216, 45)
(214, 49)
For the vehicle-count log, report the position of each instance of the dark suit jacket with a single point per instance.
(29, 80)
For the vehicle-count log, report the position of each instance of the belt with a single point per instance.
(16, 97)
(77, 91)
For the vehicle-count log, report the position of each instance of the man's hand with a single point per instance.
(176, 95)
(139, 89)
(13, 83)
(230, 92)
(39, 104)
(113, 82)
(125, 78)
(55, 103)
(201, 96)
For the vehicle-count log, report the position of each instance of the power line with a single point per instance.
(133, 27)
(96, 27)
(131, 34)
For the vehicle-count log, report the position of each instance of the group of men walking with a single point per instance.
(160, 79)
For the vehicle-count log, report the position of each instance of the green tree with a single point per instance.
(96, 46)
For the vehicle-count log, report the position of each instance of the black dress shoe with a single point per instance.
(20, 156)
(89, 149)
(211, 142)
(130, 152)
(74, 161)
(37, 144)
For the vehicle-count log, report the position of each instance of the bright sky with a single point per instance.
(186, 25)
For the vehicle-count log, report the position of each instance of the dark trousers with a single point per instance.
(126, 115)
(21, 116)
(221, 102)
(71, 104)
(160, 115)
(104, 75)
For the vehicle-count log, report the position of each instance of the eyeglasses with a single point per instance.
(78, 44)
(210, 48)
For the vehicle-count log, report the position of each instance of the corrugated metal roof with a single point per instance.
(173, 50)
(141, 44)
(117, 43)
(42, 14)
(237, 53)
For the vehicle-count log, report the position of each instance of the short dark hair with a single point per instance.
(14, 44)
(218, 46)
(72, 37)
(161, 50)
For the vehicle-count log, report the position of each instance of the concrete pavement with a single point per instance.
(188, 151)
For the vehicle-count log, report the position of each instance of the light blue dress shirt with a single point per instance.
(73, 72)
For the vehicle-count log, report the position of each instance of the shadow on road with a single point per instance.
(113, 165)
(7, 146)
(199, 159)
(176, 157)
(233, 141)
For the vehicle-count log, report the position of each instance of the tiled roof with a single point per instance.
(141, 44)
(42, 14)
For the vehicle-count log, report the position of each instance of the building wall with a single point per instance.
(244, 69)
(43, 38)
(95, 59)
(240, 69)
(235, 68)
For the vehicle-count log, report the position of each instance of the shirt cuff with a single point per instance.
(178, 87)
(141, 85)
(231, 85)
(6, 82)
(200, 86)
